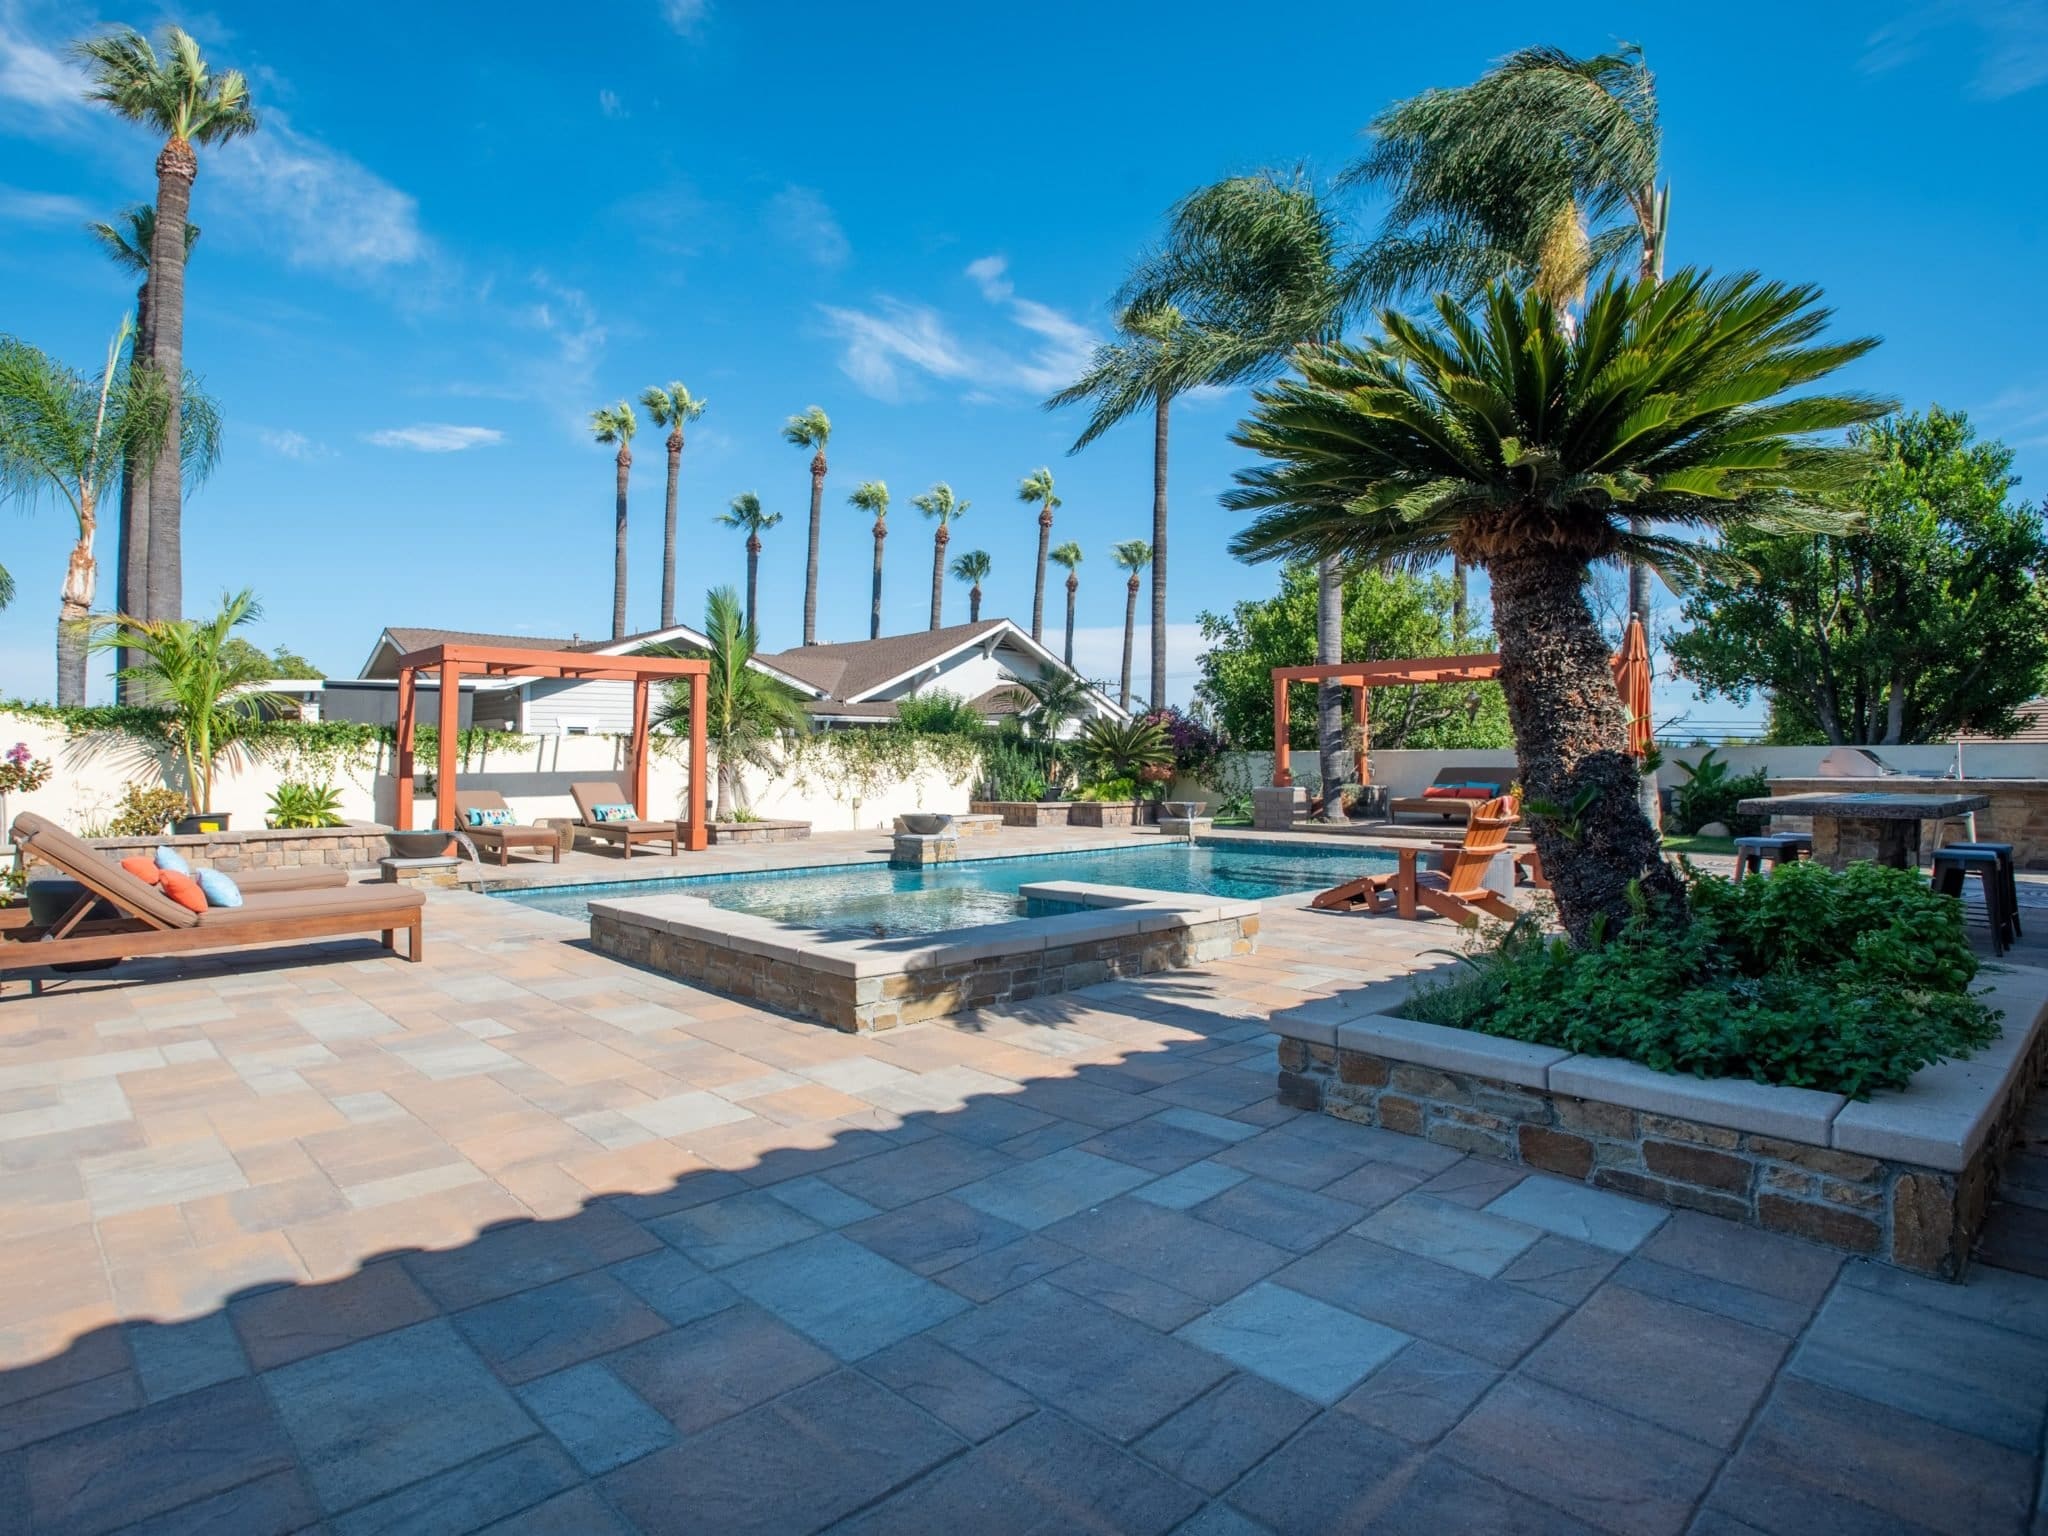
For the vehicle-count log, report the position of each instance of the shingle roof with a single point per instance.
(409, 640)
(853, 667)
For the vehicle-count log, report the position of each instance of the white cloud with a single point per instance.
(610, 105)
(34, 75)
(437, 437)
(289, 444)
(2012, 37)
(990, 276)
(882, 343)
(21, 206)
(327, 210)
(800, 217)
(1099, 650)
(684, 15)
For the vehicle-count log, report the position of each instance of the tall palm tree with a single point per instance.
(1036, 488)
(1546, 169)
(1533, 449)
(747, 712)
(872, 496)
(177, 96)
(1159, 356)
(127, 243)
(973, 567)
(940, 503)
(67, 436)
(813, 430)
(745, 513)
(672, 408)
(617, 424)
(1132, 555)
(1068, 558)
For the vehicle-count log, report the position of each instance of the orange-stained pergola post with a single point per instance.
(1631, 665)
(451, 663)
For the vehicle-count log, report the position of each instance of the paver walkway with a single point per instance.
(524, 1240)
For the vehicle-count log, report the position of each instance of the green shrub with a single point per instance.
(1847, 982)
(1014, 769)
(1710, 793)
(299, 805)
(146, 812)
(939, 714)
(1111, 789)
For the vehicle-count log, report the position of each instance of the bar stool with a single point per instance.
(1952, 867)
(1774, 848)
(2005, 874)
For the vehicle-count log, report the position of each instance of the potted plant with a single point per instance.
(209, 693)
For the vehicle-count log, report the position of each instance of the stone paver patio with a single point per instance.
(521, 1239)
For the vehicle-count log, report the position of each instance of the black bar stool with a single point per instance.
(1774, 848)
(2005, 874)
(1952, 867)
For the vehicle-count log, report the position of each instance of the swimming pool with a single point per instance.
(846, 899)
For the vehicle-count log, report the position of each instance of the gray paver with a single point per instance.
(1221, 1435)
(738, 1227)
(596, 1416)
(1593, 1216)
(1191, 1185)
(1478, 1243)
(175, 1358)
(1420, 1393)
(1037, 1194)
(849, 1299)
(1295, 1341)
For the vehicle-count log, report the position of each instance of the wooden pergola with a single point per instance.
(1631, 666)
(451, 663)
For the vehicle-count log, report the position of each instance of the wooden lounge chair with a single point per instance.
(1453, 888)
(147, 922)
(503, 838)
(627, 834)
(1452, 807)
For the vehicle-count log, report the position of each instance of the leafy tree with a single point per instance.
(1067, 557)
(672, 408)
(1535, 449)
(973, 568)
(1925, 619)
(1387, 616)
(872, 497)
(1036, 489)
(746, 712)
(940, 504)
(179, 97)
(1049, 702)
(617, 424)
(745, 513)
(1133, 555)
(813, 430)
(280, 664)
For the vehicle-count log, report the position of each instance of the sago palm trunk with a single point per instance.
(939, 574)
(1330, 696)
(131, 532)
(811, 561)
(875, 601)
(619, 547)
(1038, 591)
(1159, 551)
(80, 577)
(753, 579)
(1123, 695)
(668, 531)
(176, 168)
(1073, 589)
(1571, 739)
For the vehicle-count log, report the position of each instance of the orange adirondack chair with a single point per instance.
(1451, 889)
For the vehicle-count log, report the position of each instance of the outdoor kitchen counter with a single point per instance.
(1880, 824)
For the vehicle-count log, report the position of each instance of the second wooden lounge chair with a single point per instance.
(628, 834)
(502, 837)
(1455, 889)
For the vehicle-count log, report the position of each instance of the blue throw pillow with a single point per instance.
(615, 813)
(220, 890)
(171, 859)
(473, 816)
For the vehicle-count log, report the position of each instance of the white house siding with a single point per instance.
(971, 674)
(597, 707)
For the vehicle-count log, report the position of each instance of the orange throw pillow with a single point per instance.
(184, 890)
(143, 869)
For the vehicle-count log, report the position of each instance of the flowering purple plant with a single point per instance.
(1195, 746)
(18, 753)
(22, 770)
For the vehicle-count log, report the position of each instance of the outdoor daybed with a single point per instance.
(1453, 793)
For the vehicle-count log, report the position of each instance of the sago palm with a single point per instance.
(1133, 555)
(747, 712)
(177, 96)
(746, 515)
(1036, 490)
(940, 504)
(1534, 449)
(617, 424)
(973, 567)
(672, 407)
(1068, 558)
(812, 430)
(872, 496)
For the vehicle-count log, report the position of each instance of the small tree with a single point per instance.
(747, 712)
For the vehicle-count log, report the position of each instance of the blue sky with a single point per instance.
(451, 240)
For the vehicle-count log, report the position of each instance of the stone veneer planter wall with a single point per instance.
(359, 845)
(1904, 1177)
(759, 831)
(1024, 813)
(860, 985)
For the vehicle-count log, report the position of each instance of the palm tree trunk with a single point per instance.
(131, 532)
(1038, 592)
(176, 167)
(875, 602)
(1459, 597)
(80, 577)
(1329, 695)
(753, 579)
(1073, 587)
(668, 531)
(1571, 739)
(974, 603)
(619, 546)
(1123, 695)
(811, 562)
(939, 574)
(1159, 552)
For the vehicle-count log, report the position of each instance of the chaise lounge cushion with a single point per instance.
(590, 798)
(347, 901)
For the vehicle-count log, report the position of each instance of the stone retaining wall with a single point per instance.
(759, 831)
(1025, 813)
(357, 846)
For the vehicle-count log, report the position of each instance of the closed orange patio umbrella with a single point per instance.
(1632, 676)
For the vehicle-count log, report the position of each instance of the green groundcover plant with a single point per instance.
(1848, 981)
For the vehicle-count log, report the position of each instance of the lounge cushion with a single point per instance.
(184, 890)
(220, 890)
(306, 877)
(171, 859)
(348, 901)
(143, 869)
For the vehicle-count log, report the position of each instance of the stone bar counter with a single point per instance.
(1881, 824)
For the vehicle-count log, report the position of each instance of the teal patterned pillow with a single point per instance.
(614, 813)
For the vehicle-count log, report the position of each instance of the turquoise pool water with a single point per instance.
(846, 899)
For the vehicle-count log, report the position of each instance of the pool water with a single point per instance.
(873, 899)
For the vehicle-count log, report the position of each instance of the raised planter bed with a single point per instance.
(1027, 813)
(759, 831)
(356, 846)
(1904, 1177)
(1110, 813)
